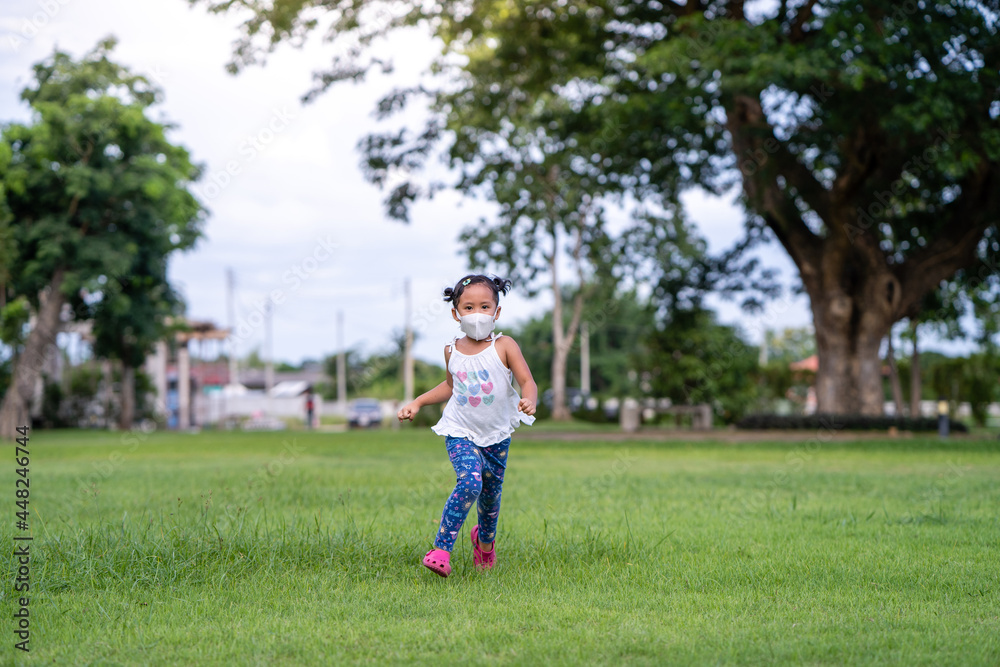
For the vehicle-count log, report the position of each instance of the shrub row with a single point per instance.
(844, 422)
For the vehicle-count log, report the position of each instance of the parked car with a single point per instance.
(574, 398)
(364, 412)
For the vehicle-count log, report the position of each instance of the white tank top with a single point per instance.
(483, 403)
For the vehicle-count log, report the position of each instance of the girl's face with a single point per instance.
(476, 298)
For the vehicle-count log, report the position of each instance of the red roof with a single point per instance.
(807, 364)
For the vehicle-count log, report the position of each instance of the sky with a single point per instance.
(290, 213)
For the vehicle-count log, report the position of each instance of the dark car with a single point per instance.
(364, 412)
(575, 398)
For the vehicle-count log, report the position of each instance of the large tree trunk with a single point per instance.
(856, 292)
(127, 398)
(856, 288)
(14, 411)
(850, 321)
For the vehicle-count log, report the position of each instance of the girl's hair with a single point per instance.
(496, 285)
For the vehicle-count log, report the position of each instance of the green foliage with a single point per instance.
(145, 393)
(379, 375)
(80, 184)
(6, 371)
(52, 398)
(776, 382)
(692, 359)
(14, 318)
(95, 188)
(618, 325)
(253, 359)
(975, 379)
(982, 382)
(83, 382)
(866, 132)
(428, 415)
(790, 345)
(898, 101)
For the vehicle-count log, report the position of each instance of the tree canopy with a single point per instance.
(863, 135)
(98, 198)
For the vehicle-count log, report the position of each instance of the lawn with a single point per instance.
(304, 548)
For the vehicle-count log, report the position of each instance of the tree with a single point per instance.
(130, 315)
(791, 344)
(618, 323)
(98, 197)
(514, 242)
(693, 359)
(543, 200)
(864, 135)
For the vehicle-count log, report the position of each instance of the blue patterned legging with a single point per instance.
(479, 472)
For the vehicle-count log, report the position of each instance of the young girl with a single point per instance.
(482, 411)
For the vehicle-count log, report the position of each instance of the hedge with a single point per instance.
(844, 422)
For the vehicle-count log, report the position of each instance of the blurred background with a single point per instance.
(283, 251)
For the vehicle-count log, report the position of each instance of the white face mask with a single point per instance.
(478, 326)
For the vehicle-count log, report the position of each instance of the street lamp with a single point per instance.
(943, 425)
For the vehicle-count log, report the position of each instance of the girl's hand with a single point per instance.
(527, 406)
(408, 411)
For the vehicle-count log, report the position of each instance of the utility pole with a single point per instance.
(269, 352)
(231, 307)
(584, 359)
(408, 348)
(341, 367)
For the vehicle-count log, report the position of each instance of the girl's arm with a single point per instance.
(438, 394)
(519, 367)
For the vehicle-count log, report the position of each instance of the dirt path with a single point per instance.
(715, 435)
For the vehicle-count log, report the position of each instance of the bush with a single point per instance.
(52, 397)
(595, 416)
(84, 382)
(428, 415)
(844, 422)
(542, 411)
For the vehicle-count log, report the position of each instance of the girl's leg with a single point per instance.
(494, 465)
(468, 485)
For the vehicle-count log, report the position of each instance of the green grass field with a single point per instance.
(304, 548)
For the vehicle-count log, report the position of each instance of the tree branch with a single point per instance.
(859, 151)
(955, 248)
(798, 176)
(735, 10)
(754, 144)
(797, 34)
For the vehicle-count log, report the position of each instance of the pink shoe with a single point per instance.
(438, 561)
(483, 560)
